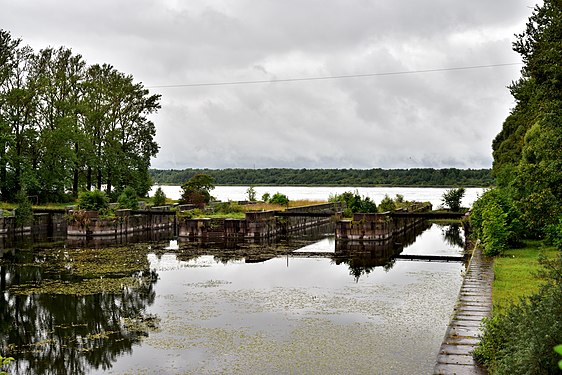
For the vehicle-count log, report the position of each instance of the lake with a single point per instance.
(315, 193)
(182, 307)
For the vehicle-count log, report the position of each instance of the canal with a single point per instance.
(198, 308)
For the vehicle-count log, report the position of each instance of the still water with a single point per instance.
(205, 311)
(316, 193)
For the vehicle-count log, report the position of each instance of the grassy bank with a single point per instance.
(516, 273)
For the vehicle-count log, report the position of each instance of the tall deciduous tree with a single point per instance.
(527, 152)
(66, 126)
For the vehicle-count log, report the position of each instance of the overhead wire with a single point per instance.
(344, 76)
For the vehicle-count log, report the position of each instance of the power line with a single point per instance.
(231, 83)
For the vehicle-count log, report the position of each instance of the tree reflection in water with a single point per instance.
(453, 236)
(57, 333)
(363, 257)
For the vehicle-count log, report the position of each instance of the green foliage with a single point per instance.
(520, 339)
(159, 198)
(128, 199)
(197, 190)
(452, 198)
(24, 211)
(527, 150)
(508, 223)
(94, 200)
(5, 361)
(280, 199)
(354, 203)
(333, 177)
(554, 234)
(494, 229)
(387, 204)
(227, 208)
(558, 349)
(251, 194)
(66, 126)
(265, 197)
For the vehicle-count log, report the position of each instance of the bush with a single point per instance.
(494, 230)
(227, 208)
(452, 198)
(24, 211)
(387, 204)
(554, 234)
(513, 225)
(159, 198)
(521, 339)
(251, 194)
(280, 199)
(94, 200)
(354, 203)
(128, 199)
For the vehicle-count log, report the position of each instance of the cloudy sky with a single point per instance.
(442, 118)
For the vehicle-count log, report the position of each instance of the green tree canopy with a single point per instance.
(197, 190)
(527, 152)
(66, 126)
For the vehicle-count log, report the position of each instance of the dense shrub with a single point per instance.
(197, 190)
(159, 198)
(554, 234)
(227, 208)
(280, 199)
(508, 226)
(387, 204)
(354, 203)
(128, 199)
(94, 200)
(494, 230)
(24, 211)
(452, 198)
(521, 339)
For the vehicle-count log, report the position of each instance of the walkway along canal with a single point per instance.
(474, 304)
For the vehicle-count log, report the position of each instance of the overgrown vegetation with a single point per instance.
(159, 198)
(354, 203)
(452, 198)
(128, 199)
(197, 190)
(24, 212)
(95, 200)
(527, 204)
(521, 338)
(280, 199)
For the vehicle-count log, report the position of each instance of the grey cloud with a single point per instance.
(441, 119)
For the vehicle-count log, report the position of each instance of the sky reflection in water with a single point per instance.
(299, 315)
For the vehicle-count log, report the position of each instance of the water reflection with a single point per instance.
(240, 307)
(63, 332)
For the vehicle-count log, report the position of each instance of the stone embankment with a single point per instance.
(474, 304)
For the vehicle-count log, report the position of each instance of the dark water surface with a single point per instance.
(201, 311)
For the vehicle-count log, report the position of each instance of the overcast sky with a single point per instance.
(433, 119)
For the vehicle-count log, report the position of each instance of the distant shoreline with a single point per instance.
(415, 177)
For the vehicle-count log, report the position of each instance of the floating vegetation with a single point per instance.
(82, 287)
(85, 271)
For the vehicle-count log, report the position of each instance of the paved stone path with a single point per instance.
(474, 303)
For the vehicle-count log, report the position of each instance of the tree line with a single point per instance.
(66, 126)
(527, 202)
(332, 177)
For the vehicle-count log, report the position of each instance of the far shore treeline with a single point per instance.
(427, 177)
